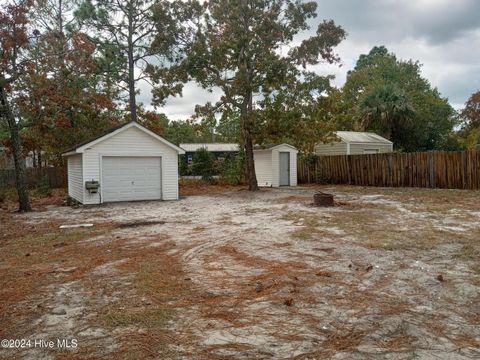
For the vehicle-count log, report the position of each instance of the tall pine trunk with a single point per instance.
(246, 125)
(131, 86)
(19, 162)
(131, 68)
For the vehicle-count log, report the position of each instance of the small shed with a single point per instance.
(218, 150)
(128, 163)
(276, 165)
(354, 143)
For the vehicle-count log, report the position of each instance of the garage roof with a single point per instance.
(361, 137)
(79, 148)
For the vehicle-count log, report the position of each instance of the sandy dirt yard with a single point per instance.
(385, 274)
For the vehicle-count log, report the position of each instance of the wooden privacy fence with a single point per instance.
(434, 169)
(55, 177)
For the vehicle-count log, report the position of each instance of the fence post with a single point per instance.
(347, 163)
(390, 170)
(431, 168)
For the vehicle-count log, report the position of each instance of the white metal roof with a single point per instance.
(210, 147)
(361, 137)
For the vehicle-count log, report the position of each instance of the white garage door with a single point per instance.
(131, 178)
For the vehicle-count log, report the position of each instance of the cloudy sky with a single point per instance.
(444, 35)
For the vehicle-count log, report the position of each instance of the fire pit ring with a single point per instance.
(323, 199)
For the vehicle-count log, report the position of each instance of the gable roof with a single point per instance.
(80, 148)
(272, 146)
(361, 137)
(192, 147)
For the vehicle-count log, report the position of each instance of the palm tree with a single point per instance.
(388, 109)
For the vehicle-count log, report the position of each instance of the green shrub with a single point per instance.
(203, 164)
(8, 193)
(43, 188)
(321, 178)
(183, 168)
(232, 169)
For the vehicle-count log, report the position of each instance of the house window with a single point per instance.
(371, 151)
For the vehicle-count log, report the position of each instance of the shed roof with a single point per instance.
(192, 147)
(361, 137)
(272, 146)
(79, 148)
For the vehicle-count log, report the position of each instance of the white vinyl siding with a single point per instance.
(334, 148)
(263, 167)
(359, 149)
(132, 142)
(75, 177)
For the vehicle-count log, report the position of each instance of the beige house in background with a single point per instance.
(354, 143)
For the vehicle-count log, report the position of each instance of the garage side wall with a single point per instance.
(334, 148)
(132, 142)
(359, 148)
(75, 177)
(263, 167)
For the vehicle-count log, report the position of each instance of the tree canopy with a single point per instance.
(241, 47)
(398, 92)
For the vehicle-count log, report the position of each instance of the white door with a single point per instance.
(284, 169)
(131, 178)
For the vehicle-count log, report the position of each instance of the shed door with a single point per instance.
(284, 169)
(131, 178)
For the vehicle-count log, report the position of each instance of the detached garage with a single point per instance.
(128, 163)
(276, 165)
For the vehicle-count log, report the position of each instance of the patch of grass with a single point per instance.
(309, 224)
(344, 340)
(191, 187)
(161, 280)
(8, 194)
(39, 248)
(150, 319)
(158, 291)
(38, 198)
(382, 227)
(308, 230)
(469, 252)
(33, 261)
